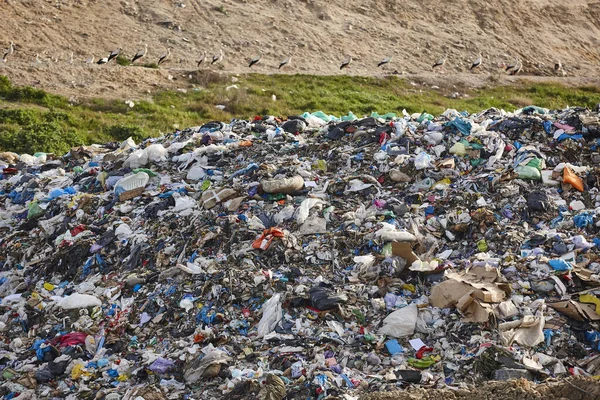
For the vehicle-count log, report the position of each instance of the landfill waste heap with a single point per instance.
(304, 258)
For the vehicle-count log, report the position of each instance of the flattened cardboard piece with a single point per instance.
(404, 250)
(575, 310)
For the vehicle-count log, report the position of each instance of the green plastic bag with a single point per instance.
(528, 172)
(349, 117)
(424, 116)
(146, 170)
(423, 363)
(536, 163)
(34, 210)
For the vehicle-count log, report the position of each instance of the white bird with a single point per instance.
(71, 58)
(102, 60)
(517, 68)
(217, 57)
(37, 59)
(114, 54)
(557, 65)
(346, 62)
(512, 65)
(164, 56)
(477, 62)
(255, 60)
(440, 62)
(9, 52)
(90, 59)
(140, 54)
(286, 61)
(202, 59)
(386, 60)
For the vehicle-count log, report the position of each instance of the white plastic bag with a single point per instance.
(271, 315)
(77, 300)
(400, 323)
(422, 161)
(304, 209)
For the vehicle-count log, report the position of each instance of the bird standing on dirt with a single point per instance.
(517, 68)
(103, 60)
(9, 51)
(202, 59)
(512, 65)
(285, 62)
(346, 62)
(114, 54)
(477, 62)
(255, 60)
(164, 56)
(440, 62)
(386, 60)
(217, 57)
(557, 66)
(140, 54)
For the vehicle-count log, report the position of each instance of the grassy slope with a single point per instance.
(32, 120)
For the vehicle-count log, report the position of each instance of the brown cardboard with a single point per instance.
(404, 250)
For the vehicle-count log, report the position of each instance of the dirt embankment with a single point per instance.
(317, 35)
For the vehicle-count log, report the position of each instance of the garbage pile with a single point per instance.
(304, 257)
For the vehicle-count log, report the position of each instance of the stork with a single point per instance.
(140, 54)
(114, 54)
(346, 62)
(477, 62)
(164, 56)
(202, 59)
(440, 62)
(285, 62)
(255, 60)
(217, 57)
(9, 52)
(386, 60)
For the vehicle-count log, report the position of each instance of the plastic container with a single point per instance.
(132, 182)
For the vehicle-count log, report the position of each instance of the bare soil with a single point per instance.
(317, 34)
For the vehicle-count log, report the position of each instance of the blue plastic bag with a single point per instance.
(56, 193)
(583, 219)
(560, 265)
(463, 127)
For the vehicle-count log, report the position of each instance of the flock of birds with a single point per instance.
(513, 68)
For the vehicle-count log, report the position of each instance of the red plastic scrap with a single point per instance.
(422, 351)
(264, 241)
(71, 339)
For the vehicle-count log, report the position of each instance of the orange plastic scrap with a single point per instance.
(264, 240)
(572, 179)
(245, 143)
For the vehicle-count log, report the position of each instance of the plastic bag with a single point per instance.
(77, 300)
(323, 298)
(304, 209)
(271, 315)
(559, 264)
(34, 210)
(55, 193)
(528, 172)
(583, 219)
(401, 322)
(422, 161)
(572, 179)
(161, 365)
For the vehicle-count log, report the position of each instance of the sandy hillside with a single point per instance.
(318, 34)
